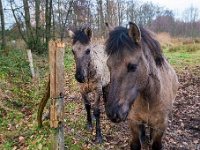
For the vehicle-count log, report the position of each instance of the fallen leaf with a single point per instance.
(21, 139)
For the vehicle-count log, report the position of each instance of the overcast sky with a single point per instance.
(176, 5)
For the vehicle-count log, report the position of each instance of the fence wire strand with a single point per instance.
(86, 140)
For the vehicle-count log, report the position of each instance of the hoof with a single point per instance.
(99, 140)
(89, 126)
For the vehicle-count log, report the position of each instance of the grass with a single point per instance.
(184, 48)
(179, 60)
(19, 97)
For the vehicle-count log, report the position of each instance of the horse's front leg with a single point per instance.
(135, 142)
(157, 143)
(88, 108)
(97, 117)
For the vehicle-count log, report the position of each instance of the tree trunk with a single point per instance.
(3, 45)
(66, 18)
(27, 20)
(18, 23)
(38, 28)
(101, 17)
(48, 21)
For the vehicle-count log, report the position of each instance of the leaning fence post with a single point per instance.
(30, 58)
(56, 62)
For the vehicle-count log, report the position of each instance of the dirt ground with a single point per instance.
(183, 132)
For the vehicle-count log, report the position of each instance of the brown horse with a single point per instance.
(143, 84)
(91, 72)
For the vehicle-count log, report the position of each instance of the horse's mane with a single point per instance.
(79, 35)
(119, 39)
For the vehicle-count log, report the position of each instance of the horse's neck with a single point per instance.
(95, 55)
(152, 89)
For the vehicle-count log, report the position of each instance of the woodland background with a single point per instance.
(37, 21)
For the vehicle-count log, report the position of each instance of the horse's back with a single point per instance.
(100, 62)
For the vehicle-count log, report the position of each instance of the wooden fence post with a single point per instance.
(56, 62)
(30, 58)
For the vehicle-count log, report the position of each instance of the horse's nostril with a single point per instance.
(82, 78)
(114, 115)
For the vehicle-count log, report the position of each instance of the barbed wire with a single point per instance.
(83, 138)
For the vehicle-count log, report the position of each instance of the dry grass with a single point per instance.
(164, 38)
(192, 47)
(184, 48)
(16, 44)
(197, 40)
(176, 48)
(186, 41)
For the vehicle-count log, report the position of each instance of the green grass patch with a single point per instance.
(179, 60)
(19, 97)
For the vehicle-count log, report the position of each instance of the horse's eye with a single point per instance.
(72, 51)
(132, 67)
(87, 51)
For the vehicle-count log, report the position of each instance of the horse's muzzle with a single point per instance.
(116, 114)
(80, 78)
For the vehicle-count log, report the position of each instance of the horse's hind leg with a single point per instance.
(97, 117)
(88, 108)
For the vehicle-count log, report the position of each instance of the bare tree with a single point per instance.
(48, 13)
(3, 44)
(63, 11)
(37, 25)
(29, 27)
(191, 15)
(101, 16)
(120, 11)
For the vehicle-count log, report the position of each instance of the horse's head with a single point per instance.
(128, 70)
(81, 49)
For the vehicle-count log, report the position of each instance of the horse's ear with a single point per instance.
(110, 28)
(88, 32)
(71, 33)
(134, 32)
